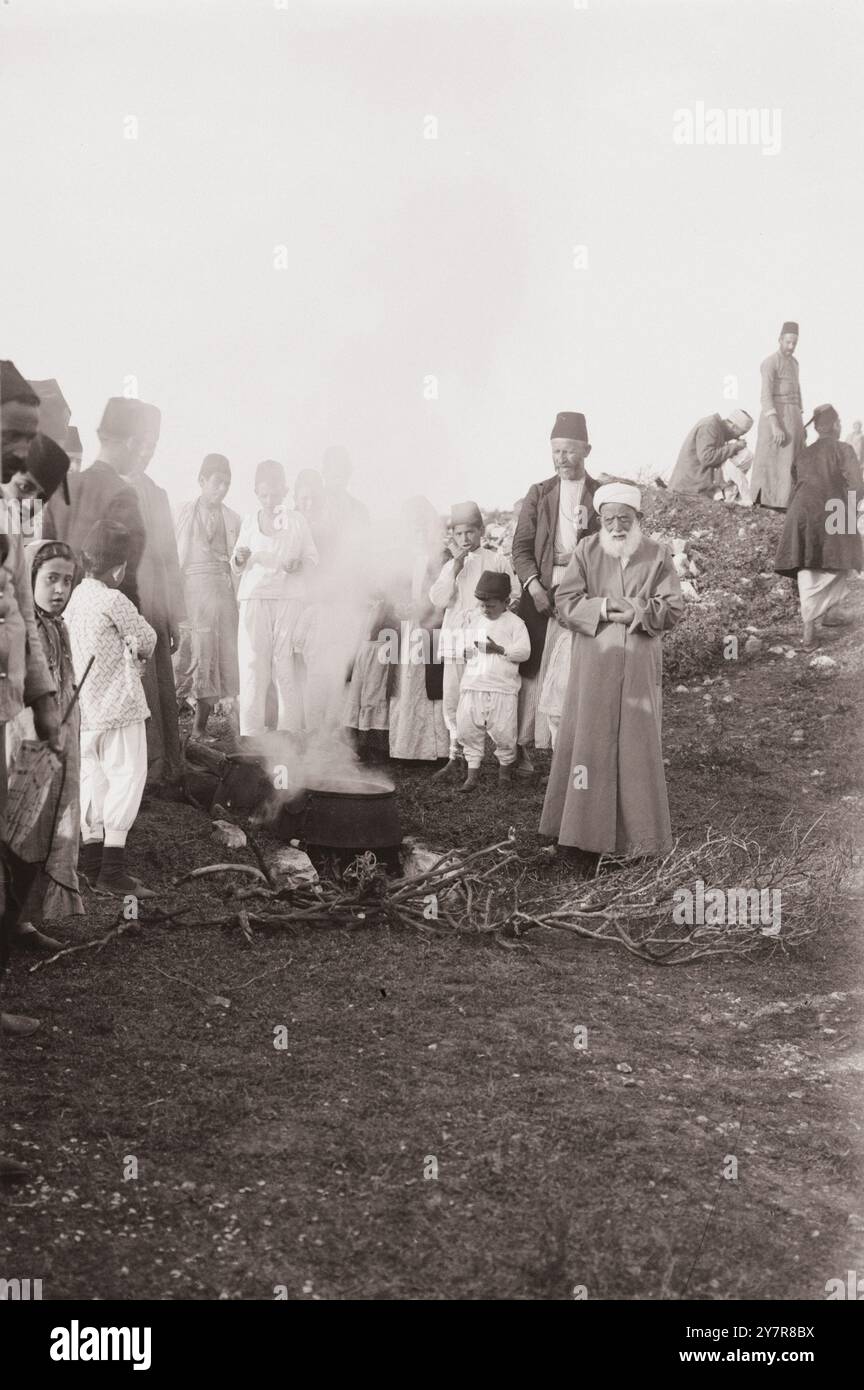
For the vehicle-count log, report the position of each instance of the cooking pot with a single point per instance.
(335, 818)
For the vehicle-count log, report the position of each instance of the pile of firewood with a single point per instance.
(654, 909)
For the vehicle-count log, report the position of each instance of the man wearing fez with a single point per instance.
(102, 492)
(820, 546)
(607, 788)
(71, 443)
(711, 443)
(24, 675)
(781, 437)
(160, 588)
(555, 514)
(54, 410)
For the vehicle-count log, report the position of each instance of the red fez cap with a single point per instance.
(121, 417)
(54, 410)
(13, 387)
(569, 424)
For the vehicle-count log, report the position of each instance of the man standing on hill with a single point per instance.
(856, 440)
(781, 430)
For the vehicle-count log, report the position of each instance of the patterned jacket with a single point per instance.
(103, 623)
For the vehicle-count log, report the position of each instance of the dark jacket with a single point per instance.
(706, 448)
(817, 534)
(98, 494)
(534, 552)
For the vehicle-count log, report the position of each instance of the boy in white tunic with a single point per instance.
(453, 591)
(107, 626)
(497, 640)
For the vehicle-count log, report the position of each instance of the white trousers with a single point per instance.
(491, 712)
(265, 652)
(736, 480)
(819, 590)
(453, 673)
(113, 774)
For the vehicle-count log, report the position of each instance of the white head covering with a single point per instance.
(741, 419)
(627, 493)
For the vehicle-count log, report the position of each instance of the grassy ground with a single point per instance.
(304, 1167)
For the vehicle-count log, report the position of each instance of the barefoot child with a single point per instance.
(497, 641)
(104, 624)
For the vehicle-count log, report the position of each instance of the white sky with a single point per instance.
(303, 127)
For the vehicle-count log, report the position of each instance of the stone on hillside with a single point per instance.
(824, 664)
(231, 836)
(681, 690)
(753, 645)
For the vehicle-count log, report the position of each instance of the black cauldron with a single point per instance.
(333, 815)
(363, 818)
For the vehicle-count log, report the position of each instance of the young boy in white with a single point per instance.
(453, 591)
(496, 641)
(104, 624)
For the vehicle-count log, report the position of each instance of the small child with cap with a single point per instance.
(497, 641)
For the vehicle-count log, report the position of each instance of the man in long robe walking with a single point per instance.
(607, 787)
(821, 545)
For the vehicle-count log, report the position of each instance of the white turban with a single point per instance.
(741, 419)
(627, 493)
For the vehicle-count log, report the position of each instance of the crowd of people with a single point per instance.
(115, 614)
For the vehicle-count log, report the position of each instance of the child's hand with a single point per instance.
(490, 646)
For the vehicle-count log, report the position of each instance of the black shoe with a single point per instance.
(90, 861)
(114, 879)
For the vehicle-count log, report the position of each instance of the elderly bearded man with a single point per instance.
(607, 788)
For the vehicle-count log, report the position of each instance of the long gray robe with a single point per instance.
(774, 465)
(610, 726)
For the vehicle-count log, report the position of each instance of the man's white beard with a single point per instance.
(625, 547)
